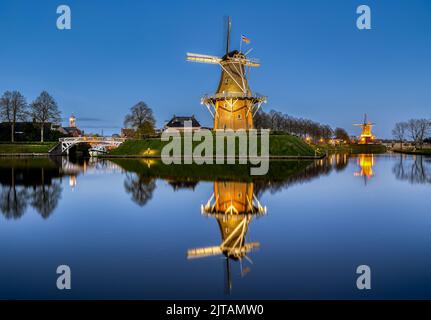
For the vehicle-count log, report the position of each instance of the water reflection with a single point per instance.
(23, 186)
(414, 169)
(366, 164)
(36, 183)
(140, 187)
(233, 201)
(233, 205)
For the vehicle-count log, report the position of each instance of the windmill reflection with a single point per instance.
(366, 164)
(233, 205)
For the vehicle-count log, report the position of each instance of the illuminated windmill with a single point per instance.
(233, 205)
(233, 105)
(366, 136)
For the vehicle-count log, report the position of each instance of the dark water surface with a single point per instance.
(136, 229)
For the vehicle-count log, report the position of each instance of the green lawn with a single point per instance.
(31, 147)
(279, 146)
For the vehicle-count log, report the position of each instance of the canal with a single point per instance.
(137, 229)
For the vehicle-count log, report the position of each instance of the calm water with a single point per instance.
(135, 229)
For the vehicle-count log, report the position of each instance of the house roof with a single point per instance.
(178, 122)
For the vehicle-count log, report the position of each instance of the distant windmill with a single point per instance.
(233, 105)
(366, 136)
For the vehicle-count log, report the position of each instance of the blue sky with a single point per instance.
(315, 62)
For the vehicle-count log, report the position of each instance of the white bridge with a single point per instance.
(95, 142)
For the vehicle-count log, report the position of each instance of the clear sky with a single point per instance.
(315, 62)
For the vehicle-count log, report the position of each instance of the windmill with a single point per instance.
(233, 106)
(366, 136)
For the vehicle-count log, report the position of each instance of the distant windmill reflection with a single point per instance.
(233, 205)
(366, 164)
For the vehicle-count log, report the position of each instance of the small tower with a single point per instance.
(366, 136)
(72, 121)
(233, 105)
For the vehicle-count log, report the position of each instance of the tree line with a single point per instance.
(300, 127)
(418, 130)
(14, 108)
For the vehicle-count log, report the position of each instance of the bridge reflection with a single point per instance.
(37, 183)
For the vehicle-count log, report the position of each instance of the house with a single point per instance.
(182, 123)
(72, 130)
(128, 133)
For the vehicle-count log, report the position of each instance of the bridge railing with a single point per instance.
(91, 139)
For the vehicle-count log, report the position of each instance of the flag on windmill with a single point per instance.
(245, 39)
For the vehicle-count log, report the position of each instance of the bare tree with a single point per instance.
(44, 109)
(141, 119)
(418, 130)
(13, 107)
(399, 132)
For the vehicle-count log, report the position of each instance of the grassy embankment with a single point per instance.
(354, 148)
(280, 146)
(26, 147)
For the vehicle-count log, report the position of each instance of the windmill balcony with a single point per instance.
(256, 98)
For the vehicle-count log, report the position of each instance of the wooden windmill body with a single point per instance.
(366, 136)
(233, 105)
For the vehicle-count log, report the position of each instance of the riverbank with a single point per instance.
(354, 149)
(424, 152)
(153, 168)
(26, 148)
(280, 147)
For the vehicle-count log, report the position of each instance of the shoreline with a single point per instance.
(32, 155)
(426, 152)
(213, 158)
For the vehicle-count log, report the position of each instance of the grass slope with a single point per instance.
(33, 147)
